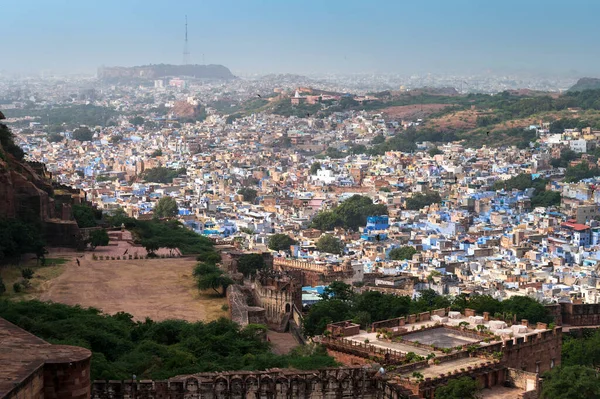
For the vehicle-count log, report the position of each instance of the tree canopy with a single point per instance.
(83, 134)
(161, 174)
(280, 242)
(99, 238)
(350, 214)
(250, 264)
(330, 244)
(316, 166)
(85, 215)
(419, 200)
(166, 207)
(460, 388)
(248, 193)
(155, 350)
(571, 382)
(402, 253)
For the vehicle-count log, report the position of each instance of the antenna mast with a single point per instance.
(186, 52)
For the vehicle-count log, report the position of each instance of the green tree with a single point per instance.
(250, 264)
(330, 244)
(546, 199)
(435, 151)
(402, 253)
(571, 382)
(378, 139)
(162, 175)
(350, 214)
(581, 171)
(151, 245)
(325, 220)
(55, 138)
(99, 238)
(334, 153)
(85, 215)
(280, 242)
(83, 134)
(338, 290)
(156, 153)
(419, 201)
(215, 281)
(166, 207)
(323, 313)
(2, 286)
(316, 166)
(203, 269)
(460, 388)
(137, 121)
(248, 193)
(527, 308)
(122, 347)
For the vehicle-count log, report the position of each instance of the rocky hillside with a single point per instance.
(586, 84)
(149, 72)
(27, 194)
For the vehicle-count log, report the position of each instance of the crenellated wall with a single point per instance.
(314, 274)
(348, 382)
(578, 314)
(535, 353)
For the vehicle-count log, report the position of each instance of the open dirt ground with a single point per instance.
(157, 288)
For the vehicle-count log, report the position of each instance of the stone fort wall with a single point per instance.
(340, 383)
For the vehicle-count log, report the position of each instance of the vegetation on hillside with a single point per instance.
(166, 234)
(420, 200)
(68, 117)
(280, 242)
(350, 214)
(523, 181)
(161, 174)
(577, 377)
(122, 347)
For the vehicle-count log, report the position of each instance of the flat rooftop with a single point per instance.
(440, 337)
(397, 346)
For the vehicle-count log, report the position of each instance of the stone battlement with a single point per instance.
(346, 382)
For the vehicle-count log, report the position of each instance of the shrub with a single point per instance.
(225, 308)
(17, 287)
(27, 273)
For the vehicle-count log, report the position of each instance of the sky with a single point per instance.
(304, 36)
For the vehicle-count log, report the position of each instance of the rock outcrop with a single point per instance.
(28, 193)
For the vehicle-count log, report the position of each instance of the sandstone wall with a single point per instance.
(339, 383)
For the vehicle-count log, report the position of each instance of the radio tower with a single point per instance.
(186, 52)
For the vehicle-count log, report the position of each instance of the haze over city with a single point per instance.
(299, 199)
(305, 37)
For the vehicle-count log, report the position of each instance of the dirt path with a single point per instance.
(282, 343)
(156, 288)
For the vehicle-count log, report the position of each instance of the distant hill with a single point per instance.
(148, 72)
(586, 84)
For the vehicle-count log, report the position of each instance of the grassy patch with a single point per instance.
(42, 274)
(213, 304)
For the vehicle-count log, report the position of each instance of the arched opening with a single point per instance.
(288, 308)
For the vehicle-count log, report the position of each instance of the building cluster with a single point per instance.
(248, 178)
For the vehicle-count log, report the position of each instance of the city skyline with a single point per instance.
(305, 38)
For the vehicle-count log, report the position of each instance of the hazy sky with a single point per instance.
(303, 36)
